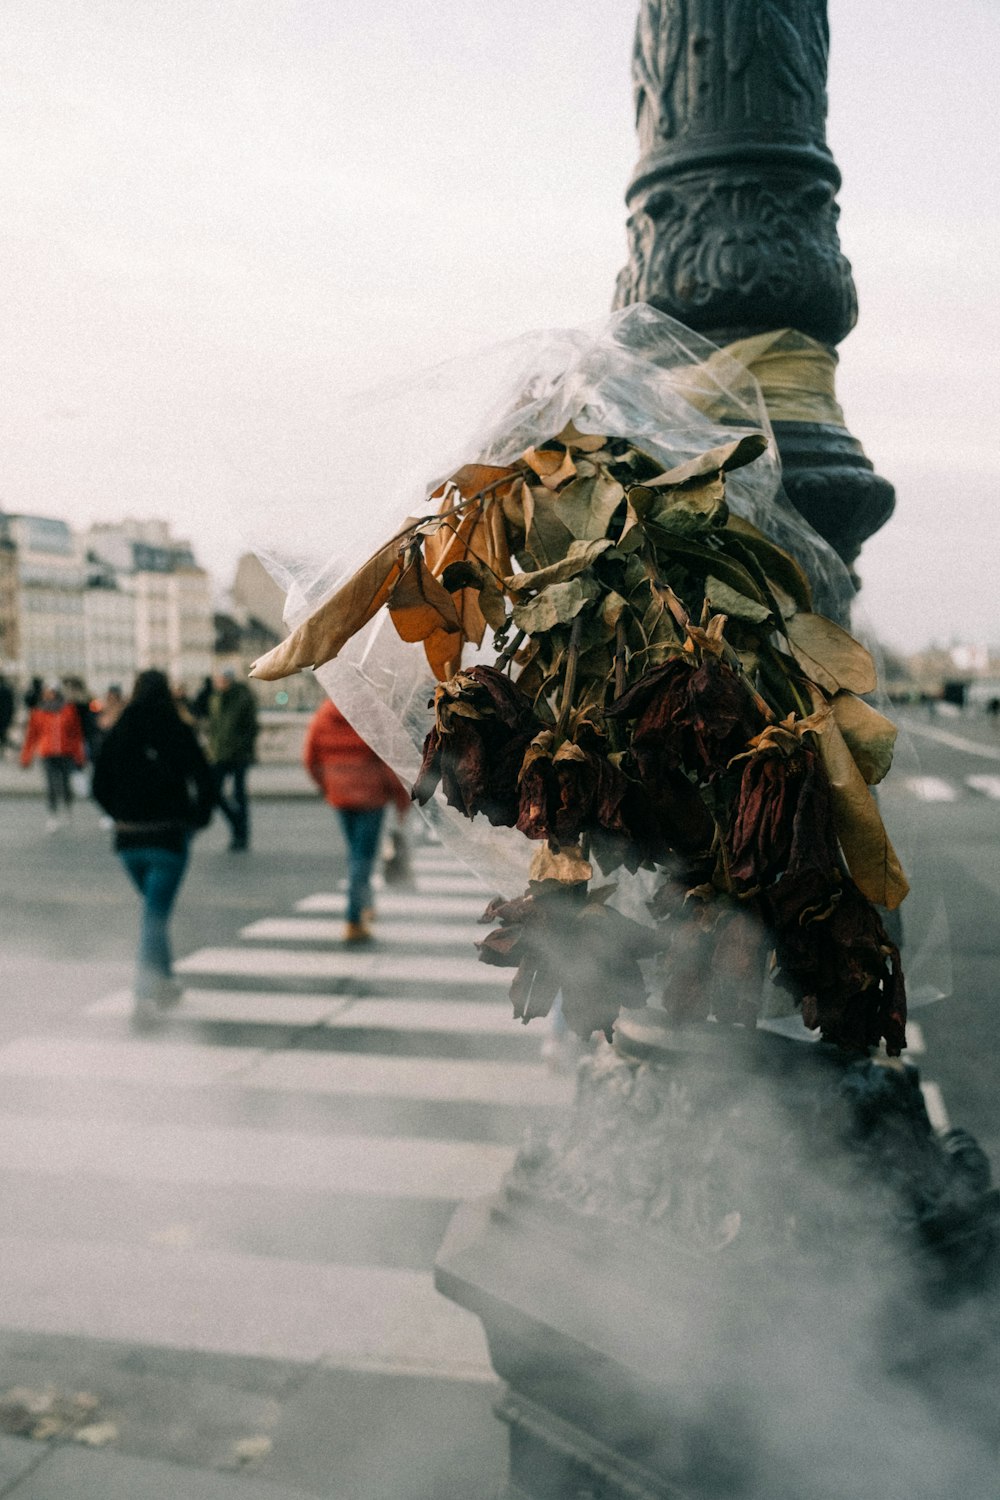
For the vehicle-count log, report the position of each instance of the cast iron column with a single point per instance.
(733, 219)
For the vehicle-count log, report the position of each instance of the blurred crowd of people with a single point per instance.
(65, 728)
(158, 764)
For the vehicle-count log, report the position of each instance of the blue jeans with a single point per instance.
(156, 875)
(361, 830)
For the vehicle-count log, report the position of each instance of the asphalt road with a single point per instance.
(943, 799)
(186, 1231)
(224, 1232)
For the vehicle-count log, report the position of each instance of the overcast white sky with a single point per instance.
(216, 218)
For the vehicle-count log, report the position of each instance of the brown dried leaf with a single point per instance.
(419, 604)
(780, 566)
(730, 602)
(870, 736)
(443, 649)
(568, 865)
(546, 538)
(713, 461)
(556, 605)
(579, 556)
(829, 656)
(586, 506)
(449, 543)
(583, 442)
(497, 544)
(471, 479)
(871, 859)
(328, 629)
(552, 465)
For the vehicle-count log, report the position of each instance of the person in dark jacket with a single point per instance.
(6, 713)
(152, 778)
(232, 738)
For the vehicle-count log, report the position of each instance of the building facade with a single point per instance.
(49, 579)
(102, 605)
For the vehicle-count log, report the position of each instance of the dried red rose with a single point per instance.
(484, 724)
(847, 972)
(560, 940)
(695, 718)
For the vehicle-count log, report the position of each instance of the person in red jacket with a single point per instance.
(360, 786)
(55, 735)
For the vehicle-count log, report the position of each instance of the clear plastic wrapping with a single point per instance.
(638, 375)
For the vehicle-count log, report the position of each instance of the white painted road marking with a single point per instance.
(260, 1008)
(399, 904)
(931, 788)
(915, 1044)
(934, 1100)
(373, 1166)
(349, 1317)
(359, 1075)
(330, 930)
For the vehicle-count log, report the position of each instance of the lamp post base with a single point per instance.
(726, 1227)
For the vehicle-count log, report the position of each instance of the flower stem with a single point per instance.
(569, 682)
(620, 654)
(509, 652)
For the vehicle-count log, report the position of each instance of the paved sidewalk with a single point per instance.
(34, 1471)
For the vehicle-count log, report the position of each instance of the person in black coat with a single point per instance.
(152, 778)
(6, 713)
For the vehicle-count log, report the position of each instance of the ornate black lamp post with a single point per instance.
(733, 226)
(658, 1268)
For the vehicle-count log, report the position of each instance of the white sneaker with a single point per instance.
(53, 824)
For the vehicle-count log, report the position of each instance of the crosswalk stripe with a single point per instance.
(426, 856)
(410, 1078)
(123, 1059)
(335, 1026)
(188, 1064)
(398, 904)
(279, 963)
(347, 1316)
(987, 786)
(466, 1017)
(452, 885)
(357, 964)
(376, 1166)
(931, 788)
(934, 1100)
(251, 1006)
(915, 1044)
(327, 930)
(275, 1008)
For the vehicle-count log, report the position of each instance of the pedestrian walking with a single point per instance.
(232, 739)
(111, 710)
(152, 778)
(75, 692)
(360, 786)
(54, 736)
(6, 713)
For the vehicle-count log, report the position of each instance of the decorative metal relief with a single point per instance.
(727, 62)
(728, 251)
